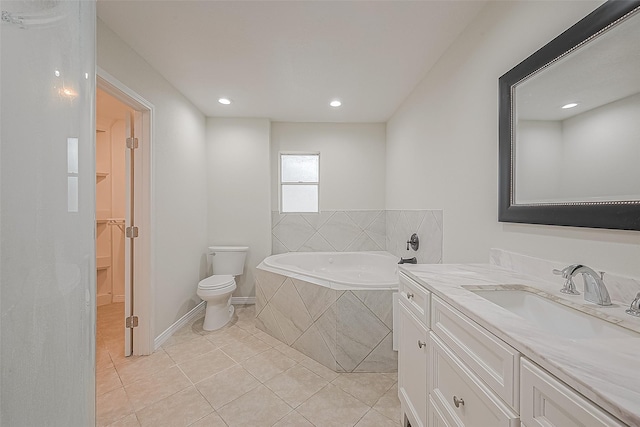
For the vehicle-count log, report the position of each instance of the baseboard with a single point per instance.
(243, 300)
(118, 298)
(163, 337)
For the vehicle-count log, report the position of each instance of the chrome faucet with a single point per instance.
(594, 288)
(634, 308)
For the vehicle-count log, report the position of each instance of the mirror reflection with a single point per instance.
(590, 151)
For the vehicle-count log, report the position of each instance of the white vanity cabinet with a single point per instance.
(465, 376)
(413, 308)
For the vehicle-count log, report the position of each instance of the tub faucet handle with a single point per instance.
(414, 242)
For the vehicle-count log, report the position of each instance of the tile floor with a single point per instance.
(236, 376)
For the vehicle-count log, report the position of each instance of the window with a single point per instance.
(299, 182)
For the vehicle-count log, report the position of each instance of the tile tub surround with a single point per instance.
(360, 230)
(603, 370)
(622, 289)
(346, 331)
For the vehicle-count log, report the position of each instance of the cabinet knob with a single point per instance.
(421, 344)
(458, 401)
(409, 296)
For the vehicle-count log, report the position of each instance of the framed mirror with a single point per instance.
(569, 126)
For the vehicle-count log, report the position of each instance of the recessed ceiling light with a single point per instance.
(224, 101)
(570, 105)
(335, 103)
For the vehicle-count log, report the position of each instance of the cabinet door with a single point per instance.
(546, 402)
(412, 367)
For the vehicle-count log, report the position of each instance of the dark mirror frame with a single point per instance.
(612, 215)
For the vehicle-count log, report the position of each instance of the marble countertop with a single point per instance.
(606, 371)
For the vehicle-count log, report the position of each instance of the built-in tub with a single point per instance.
(335, 307)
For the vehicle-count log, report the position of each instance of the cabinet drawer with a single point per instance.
(495, 362)
(416, 298)
(452, 381)
(436, 417)
(547, 402)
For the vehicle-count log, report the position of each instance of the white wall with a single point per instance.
(446, 134)
(238, 191)
(47, 262)
(352, 161)
(179, 204)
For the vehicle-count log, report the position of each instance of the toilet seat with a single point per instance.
(217, 281)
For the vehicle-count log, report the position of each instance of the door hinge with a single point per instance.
(132, 143)
(131, 232)
(131, 322)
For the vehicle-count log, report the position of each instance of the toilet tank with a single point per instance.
(228, 259)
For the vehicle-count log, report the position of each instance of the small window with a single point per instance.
(299, 182)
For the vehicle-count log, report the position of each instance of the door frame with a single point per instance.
(143, 181)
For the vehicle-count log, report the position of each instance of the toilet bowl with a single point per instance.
(226, 262)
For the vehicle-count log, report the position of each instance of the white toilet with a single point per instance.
(216, 290)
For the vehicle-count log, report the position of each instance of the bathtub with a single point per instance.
(338, 270)
(335, 307)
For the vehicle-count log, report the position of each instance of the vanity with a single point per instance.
(481, 345)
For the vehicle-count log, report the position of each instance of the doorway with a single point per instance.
(112, 127)
(123, 217)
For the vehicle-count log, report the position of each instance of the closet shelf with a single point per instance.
(103, 262)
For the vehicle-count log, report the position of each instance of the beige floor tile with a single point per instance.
(389, 404)
(189, 349)
(112, 406)
(247, 311)
(106, 380)
(291, 352)
(128, 421)
(230, 335)
(333, 407)
(263, 336)
(156, 387)
(103, 359)
(319, 369)
(367, 388)
(184, 334)
(268, 364)
(142, 367)
(211, 420)
(227, 386)
(248, 325)
(294, 419)
(296, 385)
(205, 365)
(242, 350)
(375, 419)
(180, 409)
(259, 407)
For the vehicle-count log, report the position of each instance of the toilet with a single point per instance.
(226, 263)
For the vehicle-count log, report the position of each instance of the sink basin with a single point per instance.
(555, 318)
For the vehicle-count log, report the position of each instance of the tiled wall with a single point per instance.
(374, 230)
(427, 224)
(346, 331)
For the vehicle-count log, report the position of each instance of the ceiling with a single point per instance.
(285, 60)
